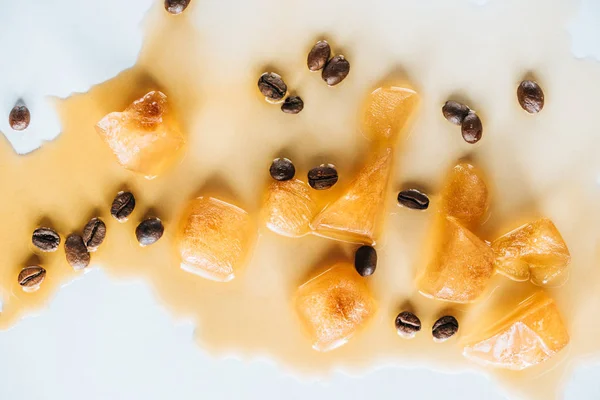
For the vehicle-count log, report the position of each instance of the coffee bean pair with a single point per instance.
(149, 231)
(408, 324)
(319, 178)
(334, 69)
(273, 87)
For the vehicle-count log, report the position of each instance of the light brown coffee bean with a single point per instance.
(30, 278)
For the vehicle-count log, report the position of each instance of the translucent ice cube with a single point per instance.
(334, 305)
(460, 266)
(214, 238)
(533, 251)
(357, 215)
(387, 111)
(144, 137)
(529, 335)
(289, 208)
(465, 194)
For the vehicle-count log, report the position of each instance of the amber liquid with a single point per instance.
(542, 165)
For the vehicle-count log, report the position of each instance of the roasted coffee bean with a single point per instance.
(530, 96)
(292, 105)
(322, 177)
(30, 278)
(412, 198)
(471, 128)
(122, 206)
(407, 324)
(455, 112)
(149, 231)
(444, 328)
(318, 56)
(336, 70)
(282, 169)
(77, 253)
(176, 6)
(45, 239)
(94, 234)
(365, 260)
(19, 117)
(272, 86)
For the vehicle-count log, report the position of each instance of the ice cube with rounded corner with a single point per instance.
(465, 194)
(214, 239)
(334, 305)
(288, 208)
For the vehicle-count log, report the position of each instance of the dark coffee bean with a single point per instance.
(455, 112)
(149, 231)
(272, 86)
(122, 206)
(471, 128)
(176, 6)
(412, 198)
(365, 260)
(19, 117)
(292, 105)
(444, 328)
(282, 169)
(530, 96)
(30, 278)
(94, 234)
(336, 70)
(322, 177)
(45, 239)
(77, 253)
(407, 324)
(318, 56)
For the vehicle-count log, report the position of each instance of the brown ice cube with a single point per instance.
(387, 111)
(529, 335)
(460, 265)
(465, 194)
(533, 251)
(334, 305)
(145, 137)
(214, 238)
(357, 215)
(289, 208)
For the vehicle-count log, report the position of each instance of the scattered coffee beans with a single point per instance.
(322, 177)
(77, 253)
(30, 278)
(407, 324)
(318, 56)
(94, 234)
(336, 70)
(122, 206)
(272, 86)
(19, 117)
(45, 239)
(412, 198)
(444, 328)
(530, 96)
(282, 169)
(176, 6)
(455, 112)
(292, 105)
(471, 128)
(365, 260)
(149, 231)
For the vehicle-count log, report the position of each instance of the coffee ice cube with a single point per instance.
(465, 195)
(387, 111)
(460, 264)
(334, 305)
(288, 208)
(533, 251)
(357, 215)
(214, 238)
(529, 335)
(145, 137)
